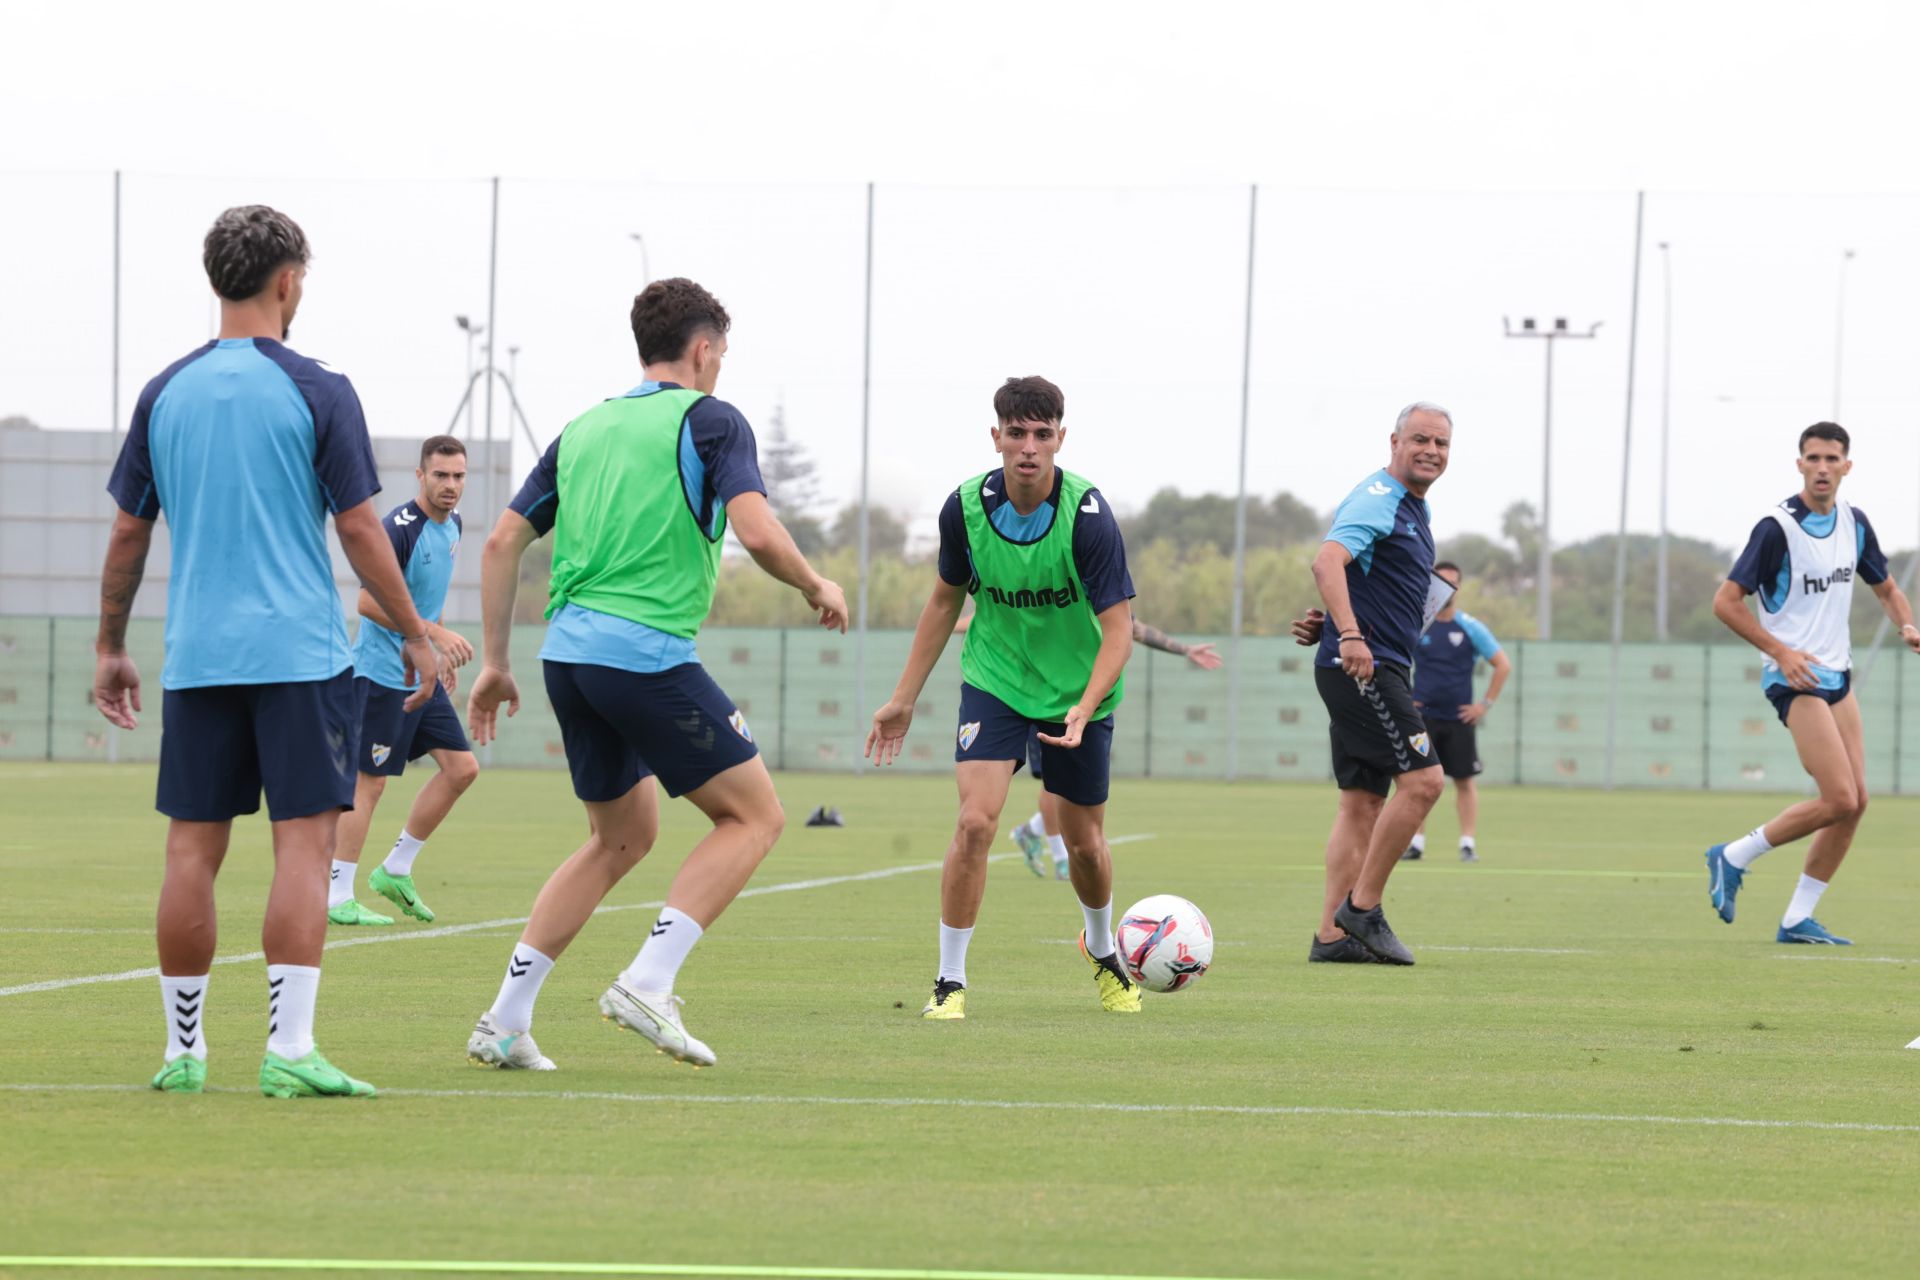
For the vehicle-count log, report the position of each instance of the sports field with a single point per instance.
(1586, 1073)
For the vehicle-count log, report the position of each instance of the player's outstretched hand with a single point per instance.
(830, 602)
(454, 647)
(1306, 631)
(889, 732)
(1070, 735)
(418, 657)
(494, 686)
(1204, 657)
(1911, 634)
(450, 678)
(116, 689)
(1797, 666)
(1356, 659)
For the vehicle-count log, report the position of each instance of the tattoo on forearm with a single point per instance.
(1155, 638)
(118, 586)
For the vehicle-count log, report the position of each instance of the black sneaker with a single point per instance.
(1467, 854)
(1412, 854)
(1370, 930)
(1345, 949)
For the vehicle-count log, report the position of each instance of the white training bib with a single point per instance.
(1813, 613)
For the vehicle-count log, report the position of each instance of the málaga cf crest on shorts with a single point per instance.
(739, 723)
(380, 753)
(1419, 743)
(969, 732)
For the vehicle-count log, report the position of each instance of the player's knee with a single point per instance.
(372, 787)
(463, 772)
(1859, 807)
(1423, 785)
(977, 827)
(1843, 803)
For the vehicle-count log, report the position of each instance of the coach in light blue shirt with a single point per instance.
(246, 446)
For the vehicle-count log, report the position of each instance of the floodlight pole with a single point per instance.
(1240, 505)
(1840, 330)
(646, 273)
(495, 472)
(1543, 625)
(866, 403)
(1626, 471)
(1666, 417)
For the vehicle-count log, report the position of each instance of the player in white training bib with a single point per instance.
(1802, 560)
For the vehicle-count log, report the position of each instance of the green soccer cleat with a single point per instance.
(400, 892)
(185, 1074)
(351, 912)
(948, 1002)
(1118, 992)
(311, 1077)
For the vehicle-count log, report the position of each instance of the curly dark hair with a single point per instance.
(247, 245)
(1029, 399)
(669, 314)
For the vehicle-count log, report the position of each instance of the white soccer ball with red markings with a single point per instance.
(1165, 942)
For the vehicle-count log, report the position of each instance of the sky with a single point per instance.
(1059, 188)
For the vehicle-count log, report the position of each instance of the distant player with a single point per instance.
(1375, 575)
(1801, 560)
(425, 534)
(246, 445)
(1039, 550)
(1039, 836)
(1443, 691)
(639, 492)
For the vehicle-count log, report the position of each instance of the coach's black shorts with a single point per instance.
(992, 730)
(1456, 746)
(619, 726)
(390, 735)
(220, 745)
(1377, 733)
(1782, 695)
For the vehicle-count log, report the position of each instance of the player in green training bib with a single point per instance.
(639, 492)
(1040, 552)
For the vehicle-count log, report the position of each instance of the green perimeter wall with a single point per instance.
(1690, 716)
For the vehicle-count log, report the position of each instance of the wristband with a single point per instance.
(411, 639)
(1354, 636)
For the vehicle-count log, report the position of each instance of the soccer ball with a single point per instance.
(1165, 942)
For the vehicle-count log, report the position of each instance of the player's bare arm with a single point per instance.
(371, 556)
(938, 621)
(116, 681)
(499, 584)
(1116, 646)
(1474, 713)
(773, 549)
(454, 647)
(1200, 655)
(1330, 577)
(1730, 606)
(1899, 611)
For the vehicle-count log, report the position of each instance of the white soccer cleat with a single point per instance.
(655, 1017)
(489, 1046)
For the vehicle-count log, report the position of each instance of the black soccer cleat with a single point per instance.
(1412, 854)
(1371, 930)
(1345, 949)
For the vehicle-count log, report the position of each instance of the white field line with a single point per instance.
(477, 926)
(1822, 954)
(1103, 1108)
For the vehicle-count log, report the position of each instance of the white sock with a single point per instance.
(953, 953)
(291, 991)
(662, 954)
(1420, 841)
(1037, 823)
(1466, 842)
(340, 888)
(1806, 896)
(400, 860)
(1058, 844)
(186, 1002)
(513, 1007)
(1743, 851)
(1099, 930)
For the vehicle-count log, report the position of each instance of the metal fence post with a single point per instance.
(780, 701)
(52, 693)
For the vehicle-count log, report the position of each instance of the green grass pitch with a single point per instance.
(1527, 1101)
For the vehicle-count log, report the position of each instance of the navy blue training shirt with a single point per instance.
(1386, 530)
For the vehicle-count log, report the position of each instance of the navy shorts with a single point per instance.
(220, 745)
(992, 730)
(390, 735)
(1375, 730)
(619, 726)
(1782, 695)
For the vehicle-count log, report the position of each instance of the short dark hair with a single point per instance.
(668, 314)
(1447, 564)
(246, 246)
(439, 444)
(1029, 399)
(1827, 431)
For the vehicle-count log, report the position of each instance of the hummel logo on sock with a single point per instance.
(659, 928)
(517, 968)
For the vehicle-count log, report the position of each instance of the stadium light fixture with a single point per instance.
(472, 331)
(1529, 328)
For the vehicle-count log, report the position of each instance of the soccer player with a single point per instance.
(1039, 836)
(425, 535)
(1801, 560)
(1375, 575)
(639, 492)
(1039, 550)
(246, 445)
(1443, 692)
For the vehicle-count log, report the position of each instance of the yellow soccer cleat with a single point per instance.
(1118, 992)
(947, 1003)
